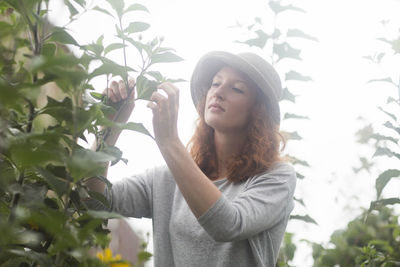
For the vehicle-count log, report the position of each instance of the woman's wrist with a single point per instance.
(170, 145)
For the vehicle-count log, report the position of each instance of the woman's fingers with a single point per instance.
(115, 88)
(131, 84)
(110, 94)
(171, 100)
(117, 91)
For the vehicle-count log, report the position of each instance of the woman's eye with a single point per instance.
(238, 90)
(215, 84)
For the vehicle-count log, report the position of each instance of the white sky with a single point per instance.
(346, 30)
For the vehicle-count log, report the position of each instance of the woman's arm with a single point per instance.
(117, 93)
(197, 189)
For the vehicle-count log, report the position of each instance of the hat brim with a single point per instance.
(212, 62)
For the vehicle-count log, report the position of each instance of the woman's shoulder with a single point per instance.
(281, 172)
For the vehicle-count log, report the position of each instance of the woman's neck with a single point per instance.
(227, 146)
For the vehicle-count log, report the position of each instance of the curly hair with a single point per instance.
(259, 153)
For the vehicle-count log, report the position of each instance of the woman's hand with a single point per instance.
(117, 93)
(165, 114)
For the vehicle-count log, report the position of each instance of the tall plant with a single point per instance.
(267, 35)
(372, 239)
(43, 160)
(387, 140)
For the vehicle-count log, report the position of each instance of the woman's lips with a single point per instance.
(215, 107)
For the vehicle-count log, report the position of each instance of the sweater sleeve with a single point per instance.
(131, 196)
(266, 201)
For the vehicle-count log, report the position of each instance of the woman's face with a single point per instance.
(229, 101)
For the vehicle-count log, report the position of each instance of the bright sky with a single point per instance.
(339, 93)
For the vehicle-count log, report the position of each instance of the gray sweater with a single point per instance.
(244, 227)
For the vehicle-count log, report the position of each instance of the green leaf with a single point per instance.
(287, 95)
(294, 116)
(62, 36)
(100, 197)
(113, 151)
(40, 258)
(305, 218)
(71, 8)
(97, 49)
(258, 41)
(285, 50)
(299, 200)
(118, 6)
(394, 43)
(376, 205)
(299, 176)
(387, 79)
(156, 75)
(145, 87)
(97, 96)
(396, 46)
(165, 57)
(136, 27)
(61, 111)
(144, 256)
(112, 47)
(139, 46)
(380, 137)
(294, 75)
(86, 163)
(278, 8)
(136, 7)
(389, 125)
(292, 135)
(300, 34)
(10, 97)
(49, 49)
(99, 40)
(110, 67)
(391, 99)
(295, 161)
(388, 113)
(138, 127)
(27, 152)
(383, 151)
(59, 185)
(97, 8)
(384, 178)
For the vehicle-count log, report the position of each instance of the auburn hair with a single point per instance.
(259, 153)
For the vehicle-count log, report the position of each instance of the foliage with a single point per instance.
(387, 145)
(372, 239)
(45, 116)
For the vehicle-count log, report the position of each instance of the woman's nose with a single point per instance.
(220, 92)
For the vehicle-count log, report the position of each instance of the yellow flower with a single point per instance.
(106, 257)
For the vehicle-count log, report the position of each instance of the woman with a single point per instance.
(227, 202)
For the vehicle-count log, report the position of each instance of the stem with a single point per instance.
(31, 115)
(36, 32)
(15, 199)
(124, 50)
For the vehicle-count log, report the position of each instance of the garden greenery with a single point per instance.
(46, 115)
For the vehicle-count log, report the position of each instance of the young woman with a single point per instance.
(228, 200)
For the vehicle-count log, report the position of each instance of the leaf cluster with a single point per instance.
(45, 117)
(372, 239)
